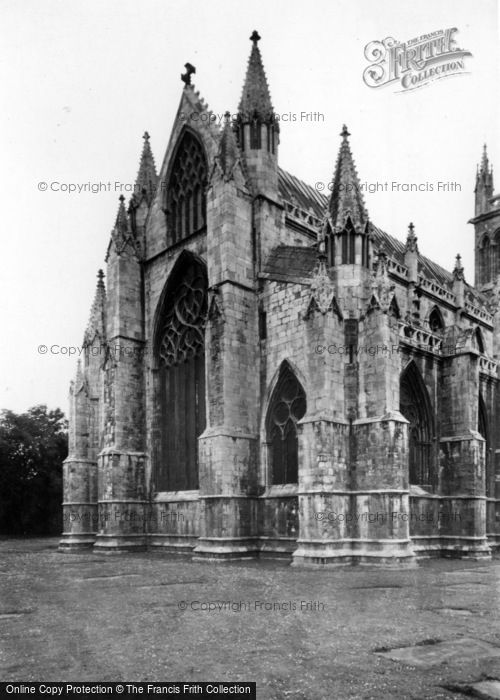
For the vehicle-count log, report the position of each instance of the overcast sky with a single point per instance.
(81, 81)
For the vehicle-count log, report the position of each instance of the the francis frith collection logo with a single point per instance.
(416, 62)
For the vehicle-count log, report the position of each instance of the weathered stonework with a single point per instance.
(269, 374)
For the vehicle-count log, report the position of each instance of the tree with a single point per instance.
(33, 446)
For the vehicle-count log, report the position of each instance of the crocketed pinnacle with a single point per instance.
(346, 198)
(255, 100)
(484, 175)
(147, 179)
(411, 245)
(484, 161)
(96, 324)
(228, 150)
(121, 235)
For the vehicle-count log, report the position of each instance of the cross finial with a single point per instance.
(255, 37)
(186, 77)
(411, 228)
(344, 133)
(121, 198)
(145, 136)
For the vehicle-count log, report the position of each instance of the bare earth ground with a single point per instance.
(88, 617)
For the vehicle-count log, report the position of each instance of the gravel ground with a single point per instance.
(147, 617)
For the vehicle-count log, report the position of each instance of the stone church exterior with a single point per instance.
(267, 373)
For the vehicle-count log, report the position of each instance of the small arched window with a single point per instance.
(348, 243)
(436, 323)
(186, 200)
(287, 407)
(478, 341)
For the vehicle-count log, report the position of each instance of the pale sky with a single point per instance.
(82, 81)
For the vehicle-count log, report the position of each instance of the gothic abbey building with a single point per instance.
(267, 373)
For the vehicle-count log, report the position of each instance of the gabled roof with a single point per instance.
(297, 192)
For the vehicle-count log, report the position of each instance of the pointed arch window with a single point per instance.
(365, 252)
(485, 259)
(255, 133)
(348, 243)
(287, 407)
(478, 341)
(436, 323)
(180, 352)
(495, 255)
(415, 407)
(483, 430)
(330, 243)
(186, 200)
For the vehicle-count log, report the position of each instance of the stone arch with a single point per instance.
(185, 205)
(416, 407)
(485, 258)
(287, 405)
(436, 320)
(478, 341)
(179, 359)
(495, 255)
(483, 428)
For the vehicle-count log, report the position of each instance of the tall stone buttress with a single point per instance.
(80, 516)
(229, 445)
(122, 495)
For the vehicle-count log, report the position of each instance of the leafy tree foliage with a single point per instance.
(33, 446)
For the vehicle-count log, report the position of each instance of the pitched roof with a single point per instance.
(291, 261)
(297, 192)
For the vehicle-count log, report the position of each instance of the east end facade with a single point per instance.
(268, 374)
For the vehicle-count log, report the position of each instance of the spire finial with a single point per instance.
(484, 160)
(255, 37)
(100, 278)
(145, 136)
(345, 133)
(411, 239)
(186, 77)
(458, 270)
(121, 198)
